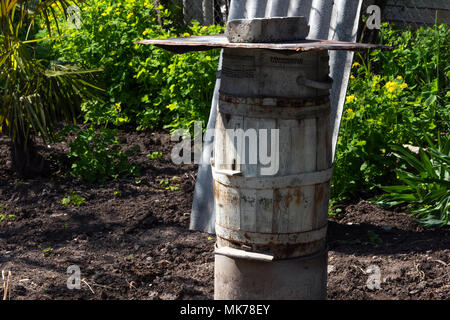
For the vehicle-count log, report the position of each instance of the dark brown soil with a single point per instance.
(131, 239)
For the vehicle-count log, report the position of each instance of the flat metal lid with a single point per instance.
(204, 43)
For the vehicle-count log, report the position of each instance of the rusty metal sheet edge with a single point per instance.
(204, 43)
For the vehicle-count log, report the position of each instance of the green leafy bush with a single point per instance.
(35, 94)
(425, 183)
(97, 155)
(394, 98)
(155, 155)
(145, 84)
(187, 87)
(73, 199)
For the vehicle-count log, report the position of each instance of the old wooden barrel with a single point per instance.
(282, 102)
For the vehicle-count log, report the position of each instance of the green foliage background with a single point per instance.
(144, 85)
(394, 98)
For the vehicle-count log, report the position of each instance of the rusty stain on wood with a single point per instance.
(298, 195)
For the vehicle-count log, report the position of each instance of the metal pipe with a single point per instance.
(302, 278)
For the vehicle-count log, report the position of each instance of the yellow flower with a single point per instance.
(404, 85)
(349, 110)
(351, 98)
(356, 64)
(399, 78)
(391, 86)
(352, 77)
(376, 80)
(107, 11)
(129, 15)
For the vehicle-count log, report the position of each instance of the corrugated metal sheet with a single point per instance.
(333, 20)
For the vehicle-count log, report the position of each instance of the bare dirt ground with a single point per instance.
(131, 239)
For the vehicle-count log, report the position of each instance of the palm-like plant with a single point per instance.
(426, 183)
(34, 94)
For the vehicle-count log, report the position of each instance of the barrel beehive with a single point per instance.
(285, 213)
(271, 211)
(282, 213)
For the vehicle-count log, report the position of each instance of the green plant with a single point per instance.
(47, 250)
(73, 199)
(374, 238)
(144, 84)
(9, 216)
(44, 251)
(171, 184)
(97, 155)
(34, 93)
(393, 98)
(155, 155)
(187, 87)
(425, 183)
(19, 183)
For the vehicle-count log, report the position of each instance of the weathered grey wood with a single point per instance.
(291, 205)
(220, 142)
(259, 73)
(259, 238)
(238, 180)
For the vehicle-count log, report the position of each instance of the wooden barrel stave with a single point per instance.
(285, 214)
